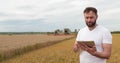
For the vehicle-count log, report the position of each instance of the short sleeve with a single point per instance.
(78, 36)
(107, 37)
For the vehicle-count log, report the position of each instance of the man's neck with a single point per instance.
(91, 28)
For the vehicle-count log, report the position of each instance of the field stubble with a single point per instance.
(12, 45)
(8, 42)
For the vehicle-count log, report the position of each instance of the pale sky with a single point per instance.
(49, 15)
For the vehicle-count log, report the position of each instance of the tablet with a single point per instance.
(88, 43)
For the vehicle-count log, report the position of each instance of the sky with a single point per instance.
(49, 15)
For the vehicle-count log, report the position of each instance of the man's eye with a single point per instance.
(91, 17)
(86, 17)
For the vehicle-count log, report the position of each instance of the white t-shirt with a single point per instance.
(99, 35)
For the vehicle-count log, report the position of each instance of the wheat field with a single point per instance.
(62, 53)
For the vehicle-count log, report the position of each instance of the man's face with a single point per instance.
(90, 18)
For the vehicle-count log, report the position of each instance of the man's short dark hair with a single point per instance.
(88, 9)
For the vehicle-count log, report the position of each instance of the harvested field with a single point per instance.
(8, 42)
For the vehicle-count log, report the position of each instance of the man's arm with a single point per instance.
(105, 54)
(75, 47)
(106, 51)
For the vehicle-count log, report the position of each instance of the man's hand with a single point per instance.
(90, 50)
(75, 47)
(105, 54)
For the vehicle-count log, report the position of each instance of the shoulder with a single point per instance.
(103, 29)
(105, 32)
(82, 29)
(106, 35)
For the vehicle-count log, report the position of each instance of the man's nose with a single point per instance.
(89, 19)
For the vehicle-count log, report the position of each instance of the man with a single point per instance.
(100, 35)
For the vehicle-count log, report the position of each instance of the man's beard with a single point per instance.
(91, 24)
